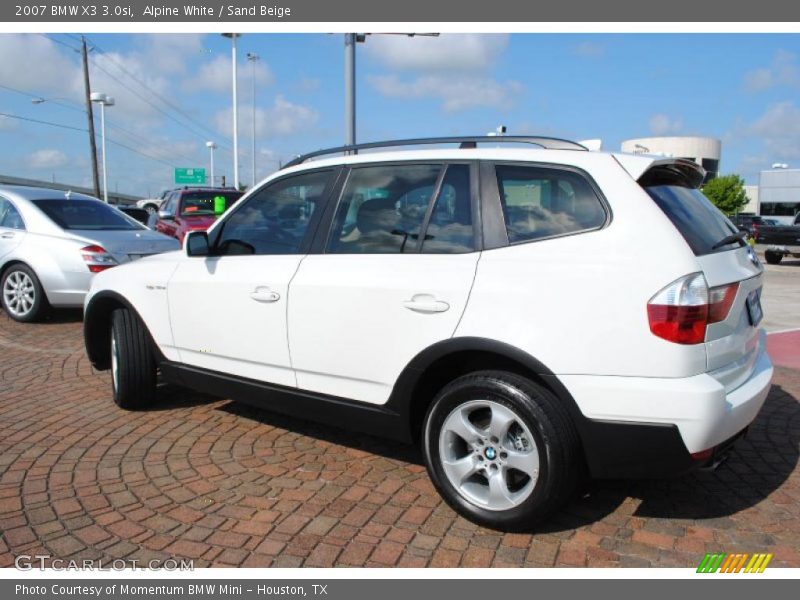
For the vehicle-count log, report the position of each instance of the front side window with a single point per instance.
(382, 209)
(274, 220)
(541, 202)
(89, 215)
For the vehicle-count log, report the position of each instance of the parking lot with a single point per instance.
(226, 485)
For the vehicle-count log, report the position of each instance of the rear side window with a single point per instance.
(540, 202)
(700, 223)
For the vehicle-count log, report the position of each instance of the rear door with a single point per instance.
(391, 279)
(731, 344)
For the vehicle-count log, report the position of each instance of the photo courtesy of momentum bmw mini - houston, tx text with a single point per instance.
(423, 296)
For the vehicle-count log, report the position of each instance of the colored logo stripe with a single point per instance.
(733, 563)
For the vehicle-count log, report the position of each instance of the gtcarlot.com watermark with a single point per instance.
(26, 562)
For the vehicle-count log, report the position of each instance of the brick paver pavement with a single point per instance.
(225, 484)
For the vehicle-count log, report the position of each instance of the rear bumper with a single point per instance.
(650, 426)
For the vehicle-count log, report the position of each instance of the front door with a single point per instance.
(228, 310)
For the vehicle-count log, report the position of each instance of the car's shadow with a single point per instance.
(757, 466)
(57, 316)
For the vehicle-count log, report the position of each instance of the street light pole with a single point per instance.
(254, 58)
(211, 147)
(233, 37)
(350, 89)
(104, 101)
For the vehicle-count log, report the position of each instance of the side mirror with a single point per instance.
(162, 214)
(196, 243)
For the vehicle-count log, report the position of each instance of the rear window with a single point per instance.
(86, 215)
(207, 203)
(700, 223)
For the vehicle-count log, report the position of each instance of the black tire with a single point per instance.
(560, 463)
(133, 367)
(39, 308)
(773, 258)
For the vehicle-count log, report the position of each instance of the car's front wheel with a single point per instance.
(23, 297)
(501, 449)
(133, 367)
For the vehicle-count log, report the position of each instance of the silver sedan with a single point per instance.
(53, 242)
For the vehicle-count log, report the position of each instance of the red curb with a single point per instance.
(784, 349)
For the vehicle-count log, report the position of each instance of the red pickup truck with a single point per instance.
(192, 209)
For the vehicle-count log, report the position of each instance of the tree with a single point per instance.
(726, 193)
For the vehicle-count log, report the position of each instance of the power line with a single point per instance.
(135, 137)
(57, 41)
(83, 130)
(155, 93)
(139, 95)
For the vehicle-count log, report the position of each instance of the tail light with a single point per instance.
(97, 259)
(681, 311)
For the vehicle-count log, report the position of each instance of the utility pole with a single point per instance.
(90, 115)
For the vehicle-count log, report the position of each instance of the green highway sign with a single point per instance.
(190, 176)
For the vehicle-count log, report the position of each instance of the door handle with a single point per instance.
(264, 294)
(7, 235)
(425, 303)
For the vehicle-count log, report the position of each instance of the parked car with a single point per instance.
(52, 243)
(501, 307)
(193, 209)
(783, 240)
(748, 222)
(151, 205)
(140, 214)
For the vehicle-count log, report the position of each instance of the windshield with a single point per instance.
(207, 203)
(86, 214)
(700, 223)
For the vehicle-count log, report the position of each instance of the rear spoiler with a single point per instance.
(650, 170)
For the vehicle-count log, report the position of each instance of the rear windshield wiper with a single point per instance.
(734, 237)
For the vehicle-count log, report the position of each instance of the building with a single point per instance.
(751, 191)
(779, 193)
(704, 151)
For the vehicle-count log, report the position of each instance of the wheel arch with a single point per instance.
(97, 328)
(437, 365)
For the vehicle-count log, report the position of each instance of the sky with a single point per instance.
(173, 94)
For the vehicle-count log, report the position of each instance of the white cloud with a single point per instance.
(589, 50)
(447, 52)
(779, 130)
(784, 71)
(47, 159)
(169, 52)
(282, 118)
(215, 76)
(456, 92)
(33, 62)
(662, 124)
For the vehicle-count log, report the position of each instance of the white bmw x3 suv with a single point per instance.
(527, 315)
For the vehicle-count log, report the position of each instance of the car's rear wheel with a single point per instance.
(501, 449)
(23, 297)
(773, 258)
(133, 367)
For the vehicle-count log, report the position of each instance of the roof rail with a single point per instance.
(550, 143)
